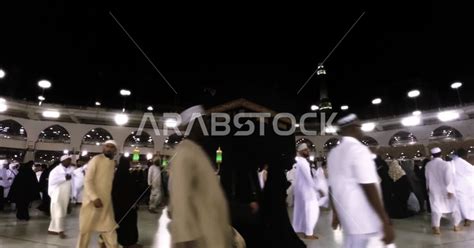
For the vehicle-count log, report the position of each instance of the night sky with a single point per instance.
(217, 53)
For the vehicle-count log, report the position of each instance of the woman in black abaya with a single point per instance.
(24, 190)
(124, 196)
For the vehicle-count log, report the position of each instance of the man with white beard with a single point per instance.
(306, 206)
(59, 189)
(464, 182)
(441, 189)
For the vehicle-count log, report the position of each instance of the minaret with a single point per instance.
(324, 103)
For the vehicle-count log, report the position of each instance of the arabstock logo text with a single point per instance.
(220, 124)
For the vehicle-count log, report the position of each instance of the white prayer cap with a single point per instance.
(301, 147)
(64, 157)
(435, 150)
(111, 142)
(347, 120)
(191, 113)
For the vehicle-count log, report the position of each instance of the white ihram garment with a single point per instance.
(59, 189)
(439, 182)
(306, 208)
(464, 184)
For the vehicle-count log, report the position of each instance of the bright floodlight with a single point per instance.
(97, 104)
(51, 114)
(456, 85)
(416, 113)
(66, 151)
(125, 92)
(84, 153)
(2, 73)
(45, 84)
(121, 119)
(171, 123)
(150, 108)
(3, 105)
(149, 156)
(126, 154)
(413, 93)
(449, 115)
(297, 125)
(411, 121)
(377, 101)
(314, 107)
(344, 107)
(41, 98)
(368, 127)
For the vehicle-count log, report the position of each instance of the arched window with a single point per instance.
(96, 136)
(402, 138)
(445, 133)
(369, 141)
(331, 143)
(135, 140)
(10, 129)
(55, 134)
(172, 140)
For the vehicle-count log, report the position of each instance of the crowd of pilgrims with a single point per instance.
(257, 202)
(28, 185)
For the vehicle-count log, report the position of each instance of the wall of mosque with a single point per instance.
(422, 133)
(77, 131)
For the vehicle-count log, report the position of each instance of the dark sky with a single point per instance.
(263, 53)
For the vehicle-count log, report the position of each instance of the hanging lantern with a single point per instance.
(136, 155)
(219, 155)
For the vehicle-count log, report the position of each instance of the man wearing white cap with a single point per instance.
(59, 189)
(306, 206)
(97, 213)
(441, 189)
(199, 212)
(355, 189)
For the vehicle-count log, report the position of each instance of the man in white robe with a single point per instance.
(97, 213)
(78, 183)
(355, 190)
(154, 182)
(290, 196)
(6, 180)
(59, 189)
(199, 212)
(440, 186)
(306, 206)
(464, 183)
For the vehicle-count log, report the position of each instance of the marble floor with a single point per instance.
(411, 233)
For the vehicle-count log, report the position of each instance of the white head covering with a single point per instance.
(64, 157)
(347, 120)
(191, 113)
(301, 147)
(111, 142)
(435, 150)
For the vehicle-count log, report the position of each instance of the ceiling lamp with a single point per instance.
(97, 104)
(416, 113)
(456, 85)
(121, 119)
(44, 84)
(449, 115)
(377, 101)
(314, 107)
(330, 129)
(2, 73)
(344, 107)
(149, 156)
(51, 114)
(3, 105)
(125, 92)
(368, 127)
(411, 121)
(413, 93)
(150, 108)
(171, 123)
